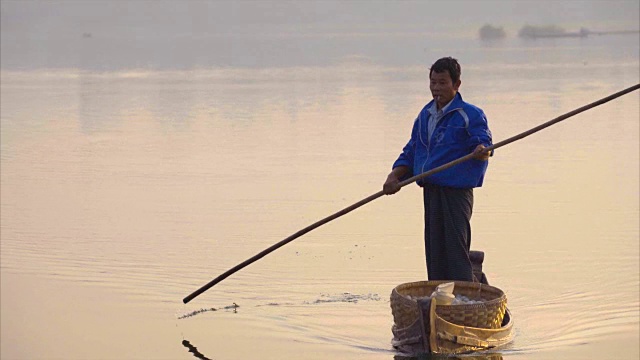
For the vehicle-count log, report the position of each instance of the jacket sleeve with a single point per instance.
(478, 129)
(407, 156)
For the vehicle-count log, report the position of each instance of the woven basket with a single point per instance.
(488, 314)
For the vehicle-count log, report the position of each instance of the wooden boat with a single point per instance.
(420, 327)
(433, 334)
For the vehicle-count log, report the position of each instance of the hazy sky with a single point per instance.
(29, 16)
(49, 33)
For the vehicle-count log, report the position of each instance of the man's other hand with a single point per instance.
(480, 154)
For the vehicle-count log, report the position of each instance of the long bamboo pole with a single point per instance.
(402, 184)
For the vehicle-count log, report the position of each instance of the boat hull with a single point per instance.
(432, 334)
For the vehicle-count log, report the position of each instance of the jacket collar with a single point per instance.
(455, 104)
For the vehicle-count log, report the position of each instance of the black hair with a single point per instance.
(448, 64)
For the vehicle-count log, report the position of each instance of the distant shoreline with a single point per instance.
(491, 32)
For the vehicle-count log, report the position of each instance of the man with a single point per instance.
(446, 129)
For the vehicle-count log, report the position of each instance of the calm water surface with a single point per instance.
(125, 190)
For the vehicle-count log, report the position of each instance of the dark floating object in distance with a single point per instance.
(490, 32)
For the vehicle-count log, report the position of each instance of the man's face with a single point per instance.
(442, 87)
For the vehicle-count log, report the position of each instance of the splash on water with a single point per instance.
(324, 298)
(233, 307)
(345, 297)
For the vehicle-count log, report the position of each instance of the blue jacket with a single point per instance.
(459, 131)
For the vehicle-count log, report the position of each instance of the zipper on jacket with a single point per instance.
(428, 144)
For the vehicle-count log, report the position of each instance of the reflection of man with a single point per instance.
(446, 129)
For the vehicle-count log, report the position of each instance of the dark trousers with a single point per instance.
(447, 233)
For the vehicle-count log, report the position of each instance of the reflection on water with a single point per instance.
(194, 350)
(493, 356)
(463, 357)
